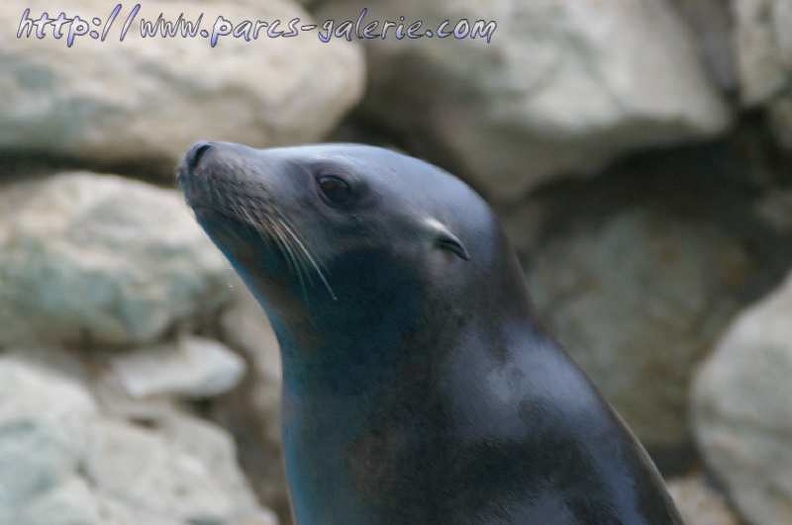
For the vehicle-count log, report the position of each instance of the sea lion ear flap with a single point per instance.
(445, 240)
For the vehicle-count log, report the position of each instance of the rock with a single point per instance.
(215, 448)
(742, 410)
(764, 51)
(775, 208)
(699, 503)
(90, 259)
(781, 120)
(764, 47)
(112, 396)
(637, 297)
(29, 388)
(143, 101)
(187, 447)
(141, 469)
(63, 462)
(68, 504)
(252, 412)
(42, 418)
(561, 88)
(192, 368)
(713, 27)
(115, 513)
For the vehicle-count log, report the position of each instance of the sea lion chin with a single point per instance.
(419, 389)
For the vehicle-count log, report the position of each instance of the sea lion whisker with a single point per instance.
(280, 243)
(293, 256)
(300, 256)
(294, 231)
(310, 258)
(254, 221)
(315, 263)
(303, 265)
(234, 210)
(299, 264)
(268, 230)
(303, 260)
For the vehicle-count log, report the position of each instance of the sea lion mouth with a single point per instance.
(218, 197)
(209, 189)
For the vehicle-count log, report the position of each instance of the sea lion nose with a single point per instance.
(196, 153)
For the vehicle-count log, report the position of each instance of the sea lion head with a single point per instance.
(343, 239)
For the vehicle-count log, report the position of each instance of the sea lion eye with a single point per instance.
(335, 190)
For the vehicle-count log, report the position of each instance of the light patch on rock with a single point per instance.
(699, 503)
(192, 367)
(764, 51)
(776, 209)
(764, 47)
(742, 410)
(711, 23)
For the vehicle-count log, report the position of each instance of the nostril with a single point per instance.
(197, 151)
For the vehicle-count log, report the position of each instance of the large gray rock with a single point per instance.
(63, 462)
(764, 51)
(743, 414)
(144, 100)
(562, 87)
(638, 298)
(98, 259)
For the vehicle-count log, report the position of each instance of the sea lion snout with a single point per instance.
(211, 158)
(214, 173)
(189, 163)
(195, 153)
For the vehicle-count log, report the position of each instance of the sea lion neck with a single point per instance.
(355, 343)
(411, 326)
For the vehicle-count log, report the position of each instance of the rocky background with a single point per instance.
(638, 151)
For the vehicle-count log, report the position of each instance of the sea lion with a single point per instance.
(419, 389)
